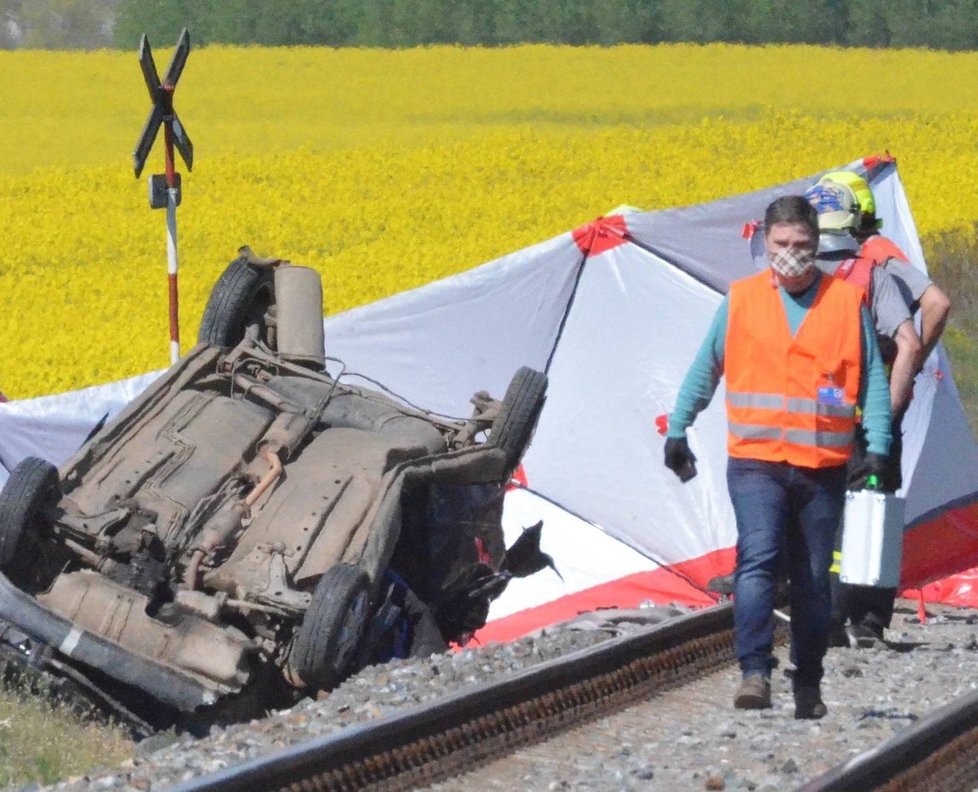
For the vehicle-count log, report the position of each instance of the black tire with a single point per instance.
(328, 638)
(32, 485)
(518, 414)
(241, 296)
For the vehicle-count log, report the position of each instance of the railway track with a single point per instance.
(939, 752)
(642, 684)
(459, 732)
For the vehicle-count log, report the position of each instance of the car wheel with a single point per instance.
(241, 297)
(518, 414)
(32, 485)
(329, 636)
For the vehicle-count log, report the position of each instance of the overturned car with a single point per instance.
(250, 529)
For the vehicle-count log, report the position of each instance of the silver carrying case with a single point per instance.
(872, 539)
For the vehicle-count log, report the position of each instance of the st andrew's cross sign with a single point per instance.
(164, 189)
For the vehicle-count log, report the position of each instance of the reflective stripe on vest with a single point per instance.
(819, 438)
(812, 406)
(774, 401)
(795, 436)
(792, 398)
(761, 401)
(814, 438)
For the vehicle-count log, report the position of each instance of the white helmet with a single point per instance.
(839, 214)
(836, 204)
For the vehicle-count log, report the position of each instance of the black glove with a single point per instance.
(679, 459)
(869, 474)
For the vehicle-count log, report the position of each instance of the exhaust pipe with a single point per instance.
(299, 312)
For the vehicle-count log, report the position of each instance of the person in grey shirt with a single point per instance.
(893, 289)
(919, 292)
(890, 309)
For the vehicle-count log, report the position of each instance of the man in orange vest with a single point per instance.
(800, 357)
(872, 262)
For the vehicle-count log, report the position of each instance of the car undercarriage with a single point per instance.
(250, 529)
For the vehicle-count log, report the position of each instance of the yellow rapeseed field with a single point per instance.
(386, 170)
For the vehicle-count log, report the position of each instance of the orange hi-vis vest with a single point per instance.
(792, 398)
(878, 250)
(858, 272)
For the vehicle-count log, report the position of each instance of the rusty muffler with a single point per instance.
(299, 310)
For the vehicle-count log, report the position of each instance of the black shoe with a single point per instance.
(866, 636)
(808, 703)
(838, 636)
(722, 584)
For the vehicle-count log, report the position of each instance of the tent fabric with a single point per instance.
(960, 589)
(438, 344)
(614, 311)
(52, 427)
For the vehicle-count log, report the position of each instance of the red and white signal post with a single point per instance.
(164, 188)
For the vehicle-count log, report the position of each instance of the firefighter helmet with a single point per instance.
(864, 195)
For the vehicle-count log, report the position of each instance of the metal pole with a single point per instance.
(171, 269)
(171, 240)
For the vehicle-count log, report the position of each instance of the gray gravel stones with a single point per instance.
(696, 741)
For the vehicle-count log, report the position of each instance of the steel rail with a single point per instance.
(461, 730)
(940, 751)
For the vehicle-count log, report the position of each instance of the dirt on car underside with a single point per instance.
(249, 521)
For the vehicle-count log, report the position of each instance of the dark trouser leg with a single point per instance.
(759, 494)
(871, 606)
(816, 498)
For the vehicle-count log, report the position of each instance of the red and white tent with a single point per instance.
(614, 311)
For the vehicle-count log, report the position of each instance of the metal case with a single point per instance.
(872, 539)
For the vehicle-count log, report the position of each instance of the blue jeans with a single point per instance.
(775, 502)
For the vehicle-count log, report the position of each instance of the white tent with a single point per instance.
(614, 312)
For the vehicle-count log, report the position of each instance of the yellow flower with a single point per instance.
(386, 170)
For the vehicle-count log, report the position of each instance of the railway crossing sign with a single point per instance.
(165, 188)
(161, 95)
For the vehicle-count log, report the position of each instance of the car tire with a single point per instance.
(518, 414)
(32, 485)
(328, 638)
(241, 296)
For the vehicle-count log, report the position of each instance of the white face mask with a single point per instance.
(791, 263)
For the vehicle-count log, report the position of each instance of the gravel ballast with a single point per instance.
(696, 740)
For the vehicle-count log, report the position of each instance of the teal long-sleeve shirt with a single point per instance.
(704, 374)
